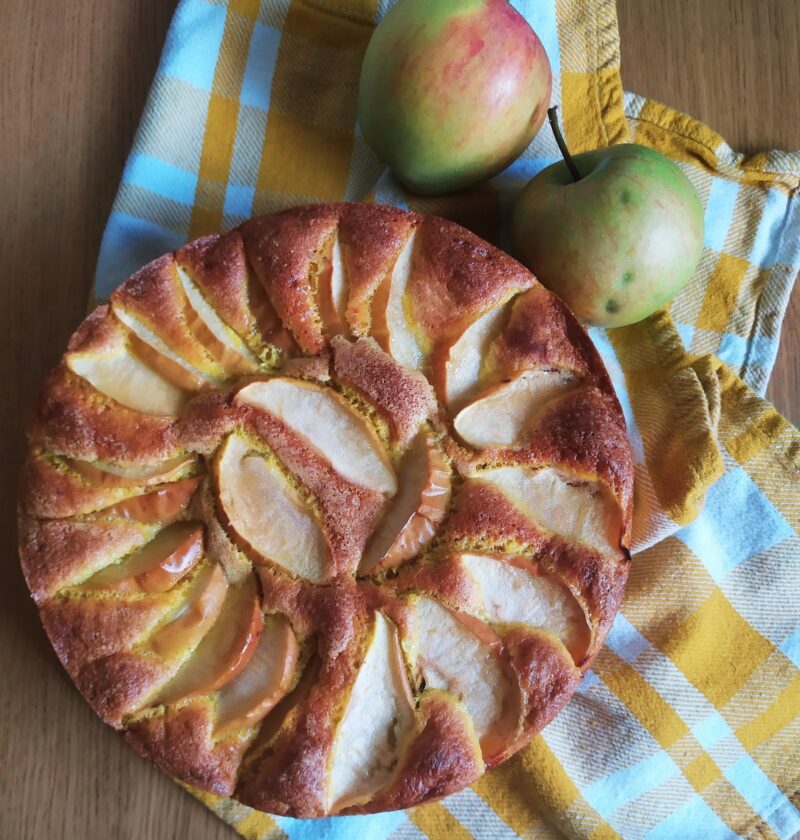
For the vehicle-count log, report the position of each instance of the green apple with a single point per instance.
(617, 237)
(452, 91)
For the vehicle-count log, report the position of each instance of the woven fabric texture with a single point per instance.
(689, 723)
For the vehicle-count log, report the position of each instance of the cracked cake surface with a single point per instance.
(329, 513)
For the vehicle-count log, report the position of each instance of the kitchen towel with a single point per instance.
(688, 725)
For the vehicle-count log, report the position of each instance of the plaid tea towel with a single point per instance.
(688, 725)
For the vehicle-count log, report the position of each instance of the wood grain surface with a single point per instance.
(73, 80)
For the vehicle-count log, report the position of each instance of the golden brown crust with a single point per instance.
(287, 596)
(443, 579)
(444, 757)
(51, 490)
(598, 582)
(542, 333)
(84, 629)
(541, 665)
(61, 553)
(154, 296)
(483, 515)
(283, 249)
(271, 282)
(100, 331)
(314, 368)
(387, 597)
(180, 742)
(72, 418)
(546, 673)
(371, 237)
(584, 435)
(207, 419)
(217, 265)
(456, 277)
(120, 683)
(219, 545)
(403, 397)
(585, 432)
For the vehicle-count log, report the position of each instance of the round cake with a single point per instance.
(328, 513)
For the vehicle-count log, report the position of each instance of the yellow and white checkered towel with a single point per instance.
(688, 726)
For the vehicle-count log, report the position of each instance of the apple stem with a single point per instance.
(552, 115)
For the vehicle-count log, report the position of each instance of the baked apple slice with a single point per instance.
(457, 367)
(564, 504)
(225, 650)
(377, 722)
(511, 590)
(263, 683)
(265, 512)
(161, 505)
(160, 356)
(158, 565)
(123, 376)
(153, 306)
(415, 512)
(459, 654)
(390, 323)
(214, 334)
(110, 475)
(328, 422)
(501, 416)
(167, 366)
(195, 616)
(332, 292)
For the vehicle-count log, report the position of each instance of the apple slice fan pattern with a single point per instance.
(329, 513)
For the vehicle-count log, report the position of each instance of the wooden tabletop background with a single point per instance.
(73, 81)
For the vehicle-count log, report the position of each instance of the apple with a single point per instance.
(332, 291)
(460, 655)
(158, 565)
(194, 617)
(257, 689)
(266, 514)
(119, 373)
(213, 333)
(167, 366)
(575, 508)
(162, 505)
(502, 415)
(265, 680)
(225, 650)
(457, 366)
(111, 475)
(390, 327)
(156, 353)
(330, 424)
(377, 722)
(215, 267)
(452, 91)
(402, 398)
(511, 590)
(413, 515)
(615, 232)
(153, 306)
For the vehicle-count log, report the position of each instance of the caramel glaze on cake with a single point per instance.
(329, 513)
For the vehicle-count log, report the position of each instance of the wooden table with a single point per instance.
(74, 78)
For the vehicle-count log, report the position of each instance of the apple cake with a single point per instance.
(328, 513)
